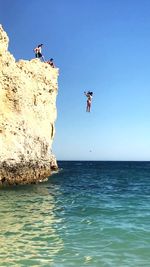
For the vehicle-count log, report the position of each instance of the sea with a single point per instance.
(90, 213)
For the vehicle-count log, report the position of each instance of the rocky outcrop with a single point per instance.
(28, 91)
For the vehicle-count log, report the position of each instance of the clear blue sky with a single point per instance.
(99, 45)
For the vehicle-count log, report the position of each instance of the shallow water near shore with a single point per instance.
(89, 214)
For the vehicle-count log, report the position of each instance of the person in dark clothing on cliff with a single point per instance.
(50, 62)
(38, 51)
(89, 100)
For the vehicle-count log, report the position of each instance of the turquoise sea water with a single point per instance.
(90, 214)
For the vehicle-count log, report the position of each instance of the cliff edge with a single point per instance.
(28, 91)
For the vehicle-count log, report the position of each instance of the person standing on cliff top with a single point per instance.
(38, 52)
(89, 100)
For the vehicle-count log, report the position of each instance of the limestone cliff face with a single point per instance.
(28, 91)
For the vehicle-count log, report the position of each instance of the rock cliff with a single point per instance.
(28, 91)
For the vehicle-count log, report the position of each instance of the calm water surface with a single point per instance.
(90, 214)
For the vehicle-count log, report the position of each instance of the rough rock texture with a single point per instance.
(28, 91)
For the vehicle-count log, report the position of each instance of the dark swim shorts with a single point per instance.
(38, 54)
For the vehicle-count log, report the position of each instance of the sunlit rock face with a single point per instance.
(28, 91)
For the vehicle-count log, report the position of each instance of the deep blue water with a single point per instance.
(89, 214)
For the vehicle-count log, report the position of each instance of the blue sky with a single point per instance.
(99, 45)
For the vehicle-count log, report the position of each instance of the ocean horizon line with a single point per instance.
(75, 160)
